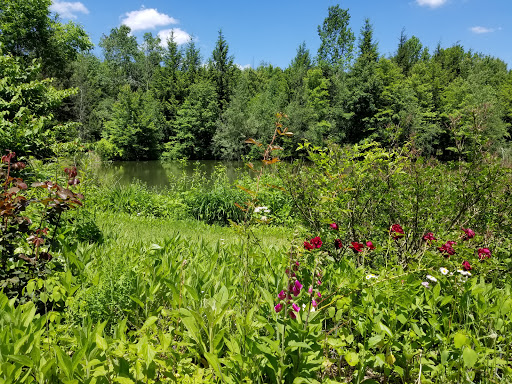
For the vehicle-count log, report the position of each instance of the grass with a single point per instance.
(123, 227)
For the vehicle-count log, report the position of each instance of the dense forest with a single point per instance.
(143, 101)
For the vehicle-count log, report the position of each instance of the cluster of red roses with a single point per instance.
(447, 248)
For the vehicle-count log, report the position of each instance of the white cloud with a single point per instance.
(431, 3)
(180, 36)
(480, 30)
(242, 67)
(147, 19)
(68, 10)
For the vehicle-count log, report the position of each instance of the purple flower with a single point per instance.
(429, 237)
(278, 307)
(319, 294)
(484, 253)
(314, 303)
(292, 315)
(334, 226)
(310, 290)
(370, 245)
(469, 233)
(282, 295)
(295, 307)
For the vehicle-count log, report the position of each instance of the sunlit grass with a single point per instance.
(123, 227)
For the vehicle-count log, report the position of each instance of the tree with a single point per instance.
(195, 124)
(27, 31)
(149, 58)
(337, 39)
(121, 51)
(233, 128)
(223, 71)
(191, 63)
(136, 125)
(27, 105)
(408, 53)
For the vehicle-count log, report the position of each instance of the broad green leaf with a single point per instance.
(101, 342)
(470, 357)
(23, 360)
(298, 344)
(352, 358)
(64, 362)
(149, 322)
(459, 339)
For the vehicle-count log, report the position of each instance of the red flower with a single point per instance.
(316, 242)
(466, 266)
(484, 253)
(308, 246)
(334, 226)
(429, 237)
(469, 233)
(338, 244)
(447, 248)
(356, 247)
(370, 245)
(396, 231)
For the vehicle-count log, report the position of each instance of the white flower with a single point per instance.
(264, 218)
(261, 209)
(431, 278)
(443, 270)
(370, 276)
(425, 284)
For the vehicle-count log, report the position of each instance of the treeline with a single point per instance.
(144, 101)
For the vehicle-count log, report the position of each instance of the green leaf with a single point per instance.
(101, 342)
(64, 362)
(459, 339)
(23, 360)
(470, 357)
(352, 358)
(298, 344)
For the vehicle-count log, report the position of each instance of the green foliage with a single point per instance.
(337, 39)
(27, 104)
(136, 126)
(29, 32)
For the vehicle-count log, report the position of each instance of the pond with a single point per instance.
(157, 174)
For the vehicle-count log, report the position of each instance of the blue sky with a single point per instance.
(271, 31)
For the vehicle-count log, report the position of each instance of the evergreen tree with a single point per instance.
(136, 125)
(195, 125)
(223, 71)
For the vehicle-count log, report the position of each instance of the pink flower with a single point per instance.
(278, 307)
(429, 237)
(298, 285)
(319, 282)
(295, 307)
(469, 233)
(314, 303)
(334, 226)
(316, 242)
(356, 247)
(466, 266)
(310, 290)
(308, 246)
(484, 253)
(396, 231)
(319, 294)
(292, 315)
(282, 295)
(370, 245)
(338, 244)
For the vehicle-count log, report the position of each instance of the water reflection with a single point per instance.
(157, 174)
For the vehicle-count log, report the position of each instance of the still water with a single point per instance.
(157, 174)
